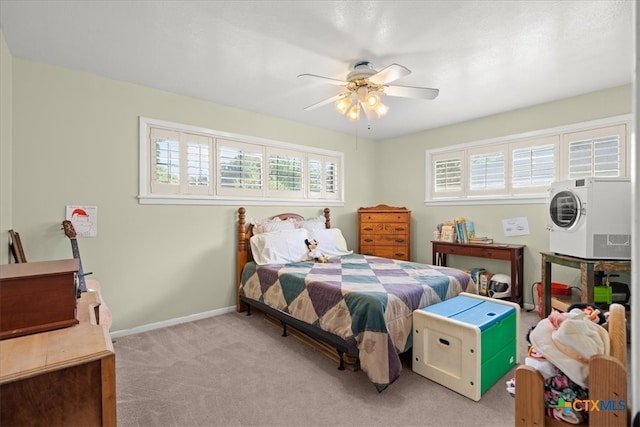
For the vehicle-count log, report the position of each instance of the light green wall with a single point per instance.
(74, 138)
(5, 148)
(76, 142)
(401, 181)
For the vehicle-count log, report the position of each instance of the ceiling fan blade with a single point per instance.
(326, 101)
(389, 74)
(411, 92)
(323, 79)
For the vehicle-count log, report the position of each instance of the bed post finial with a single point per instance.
(241, 230)
(327, 217)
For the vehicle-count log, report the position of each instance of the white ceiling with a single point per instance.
(486, 57)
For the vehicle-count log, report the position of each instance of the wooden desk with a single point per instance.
(64, 377)
(512, 253)
(587, 267)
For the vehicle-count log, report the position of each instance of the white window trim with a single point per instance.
(146, 197)
(511, 199)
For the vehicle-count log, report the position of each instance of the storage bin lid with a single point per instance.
(453, 306)
(485, 314)
(474, 311)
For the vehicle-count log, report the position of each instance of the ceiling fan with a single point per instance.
(364, 88)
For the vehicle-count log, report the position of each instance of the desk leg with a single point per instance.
(521, 278)
(587, 279)
(516, 278)
(546, 283)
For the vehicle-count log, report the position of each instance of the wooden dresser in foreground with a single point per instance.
(385, 231)
(64, 377)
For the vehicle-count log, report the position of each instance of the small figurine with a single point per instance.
(314, 254)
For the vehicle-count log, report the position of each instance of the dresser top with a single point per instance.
(40, 268)
(35, 354)
(384, 208)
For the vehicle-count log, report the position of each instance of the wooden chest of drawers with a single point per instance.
(385, 231)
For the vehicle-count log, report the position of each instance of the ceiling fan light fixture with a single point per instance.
(365, 87)
(372, 100)
(354, 112)
(343, 104)
(381, 109)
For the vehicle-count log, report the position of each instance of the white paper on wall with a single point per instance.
(515, 226)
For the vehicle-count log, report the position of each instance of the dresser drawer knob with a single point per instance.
(368, 240)
(368, 229)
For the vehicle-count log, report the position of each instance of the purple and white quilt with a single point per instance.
(364, 299)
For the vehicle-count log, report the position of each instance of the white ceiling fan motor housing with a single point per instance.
(361, 70)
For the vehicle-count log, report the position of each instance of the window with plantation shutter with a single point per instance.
(197, 164)
(447, 174)
(183, 164)
(315, 177)
(165, 165)
(285, 171)
(323, 177)
(522, 167)
(487, 170)
(533, 164)
(239, 168)
(596, 152)
(331, 179)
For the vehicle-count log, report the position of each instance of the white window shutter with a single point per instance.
(285, 173)
(197, 169)
(596, 152)
(165, 160)
(239, 172)
(446, 175)
(487, 170)
(534, 164)
(323, 177)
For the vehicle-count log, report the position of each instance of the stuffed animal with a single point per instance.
(314, 254)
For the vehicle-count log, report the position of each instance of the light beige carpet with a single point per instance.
(236, 370)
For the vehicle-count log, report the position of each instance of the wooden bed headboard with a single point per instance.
(245, 231)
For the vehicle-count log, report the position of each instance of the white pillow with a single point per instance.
(310, 224)
(331, 242)
(275, 224)
(279, 247)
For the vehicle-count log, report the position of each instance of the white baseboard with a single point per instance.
(171, 322)
(198, 316)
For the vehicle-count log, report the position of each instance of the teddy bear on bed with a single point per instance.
(313, 253)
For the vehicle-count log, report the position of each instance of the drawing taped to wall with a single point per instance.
(515, 226)
(84, 220)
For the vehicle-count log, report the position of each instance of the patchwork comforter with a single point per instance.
(363, 299)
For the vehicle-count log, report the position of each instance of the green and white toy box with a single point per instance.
(466, 343)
